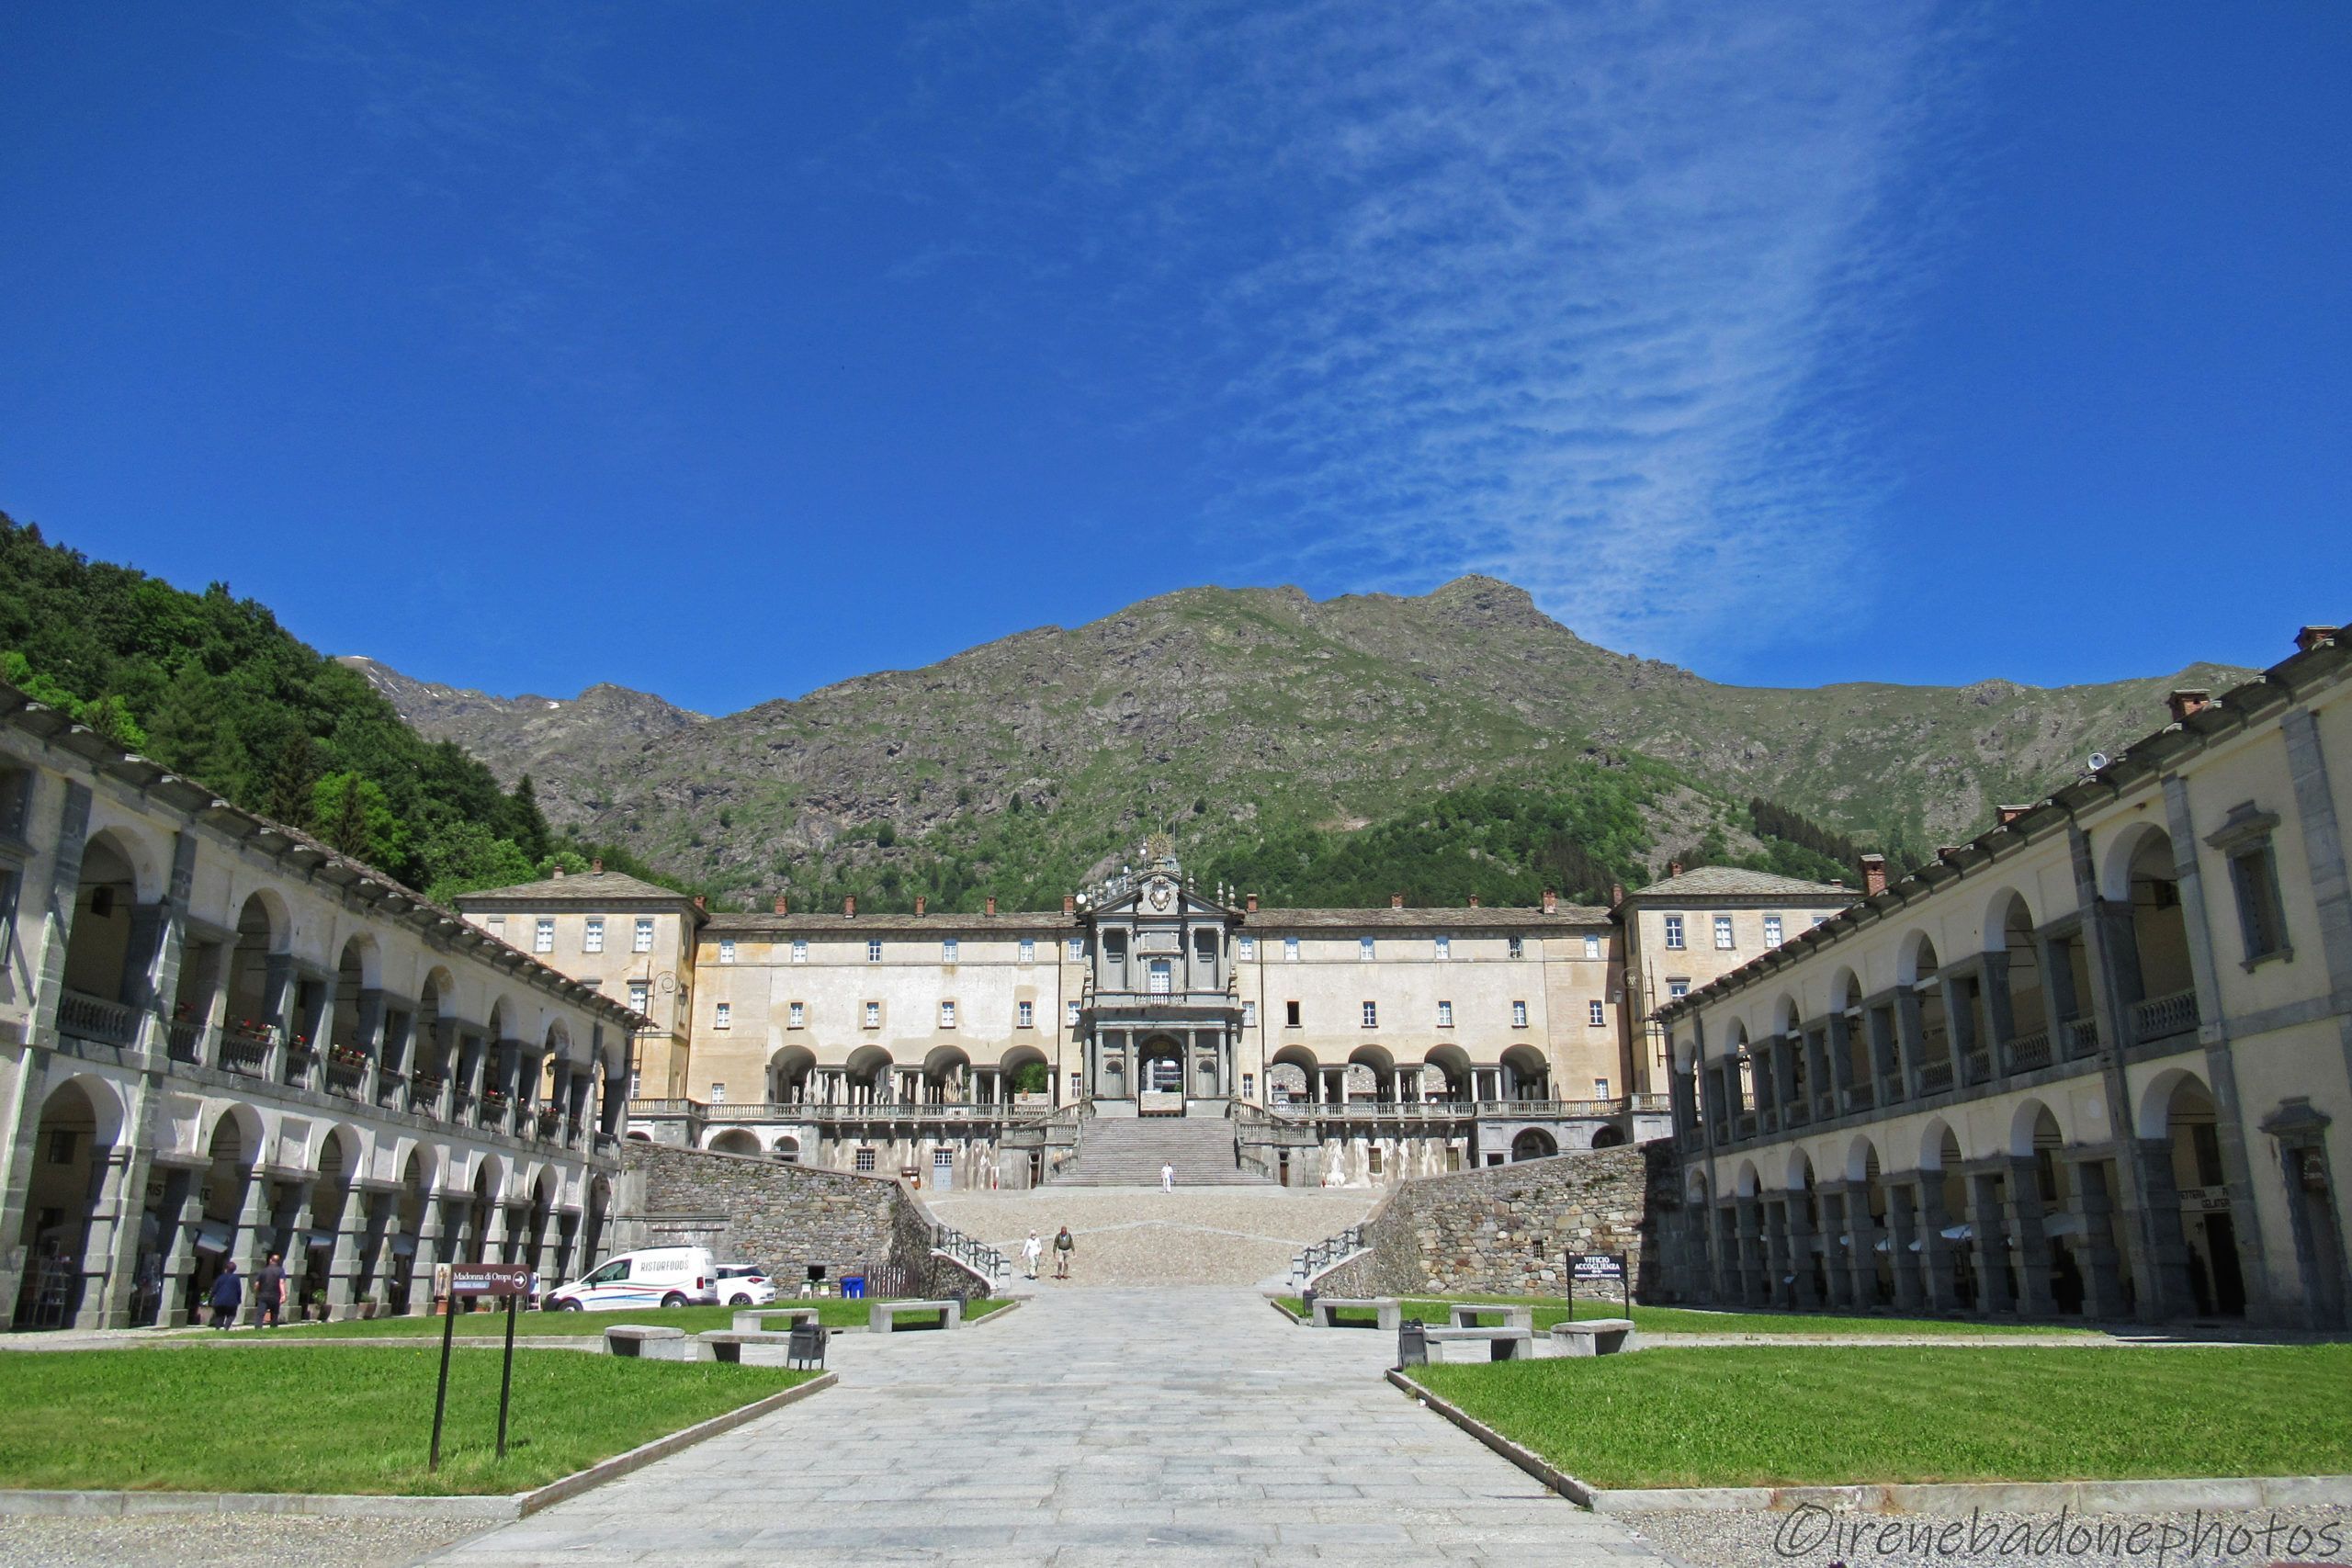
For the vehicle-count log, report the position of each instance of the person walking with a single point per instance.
(1063, 1248)
(1031, 1250)
(228, 1295)
(269, 1293)
(1168, 1179)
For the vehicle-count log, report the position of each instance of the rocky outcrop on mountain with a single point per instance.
(1229, 710)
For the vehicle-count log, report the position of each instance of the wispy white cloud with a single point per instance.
(1571, 294)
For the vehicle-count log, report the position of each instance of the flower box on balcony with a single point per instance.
(345, 1057)
(493, 1100)
(426, 1083)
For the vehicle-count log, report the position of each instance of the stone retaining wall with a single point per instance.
(1505, 1230)
(786, 1216)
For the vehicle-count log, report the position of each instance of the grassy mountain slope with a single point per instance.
(1332, 744)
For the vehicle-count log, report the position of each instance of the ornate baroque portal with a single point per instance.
(1161, 1012)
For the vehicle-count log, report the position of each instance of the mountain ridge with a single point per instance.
(1250, 714)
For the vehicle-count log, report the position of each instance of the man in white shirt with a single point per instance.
(1031, 1250)
(1168, 1179)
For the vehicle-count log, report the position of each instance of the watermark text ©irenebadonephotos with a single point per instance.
(1812, 1530)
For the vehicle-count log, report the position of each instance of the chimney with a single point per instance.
(2310, 638)
(1873, 875)
(991, 904)
(849, 908)
(1551, 902)
(2188, 702)
(1473, 900)
(1673, 868)
(1249, 904)
(700, 902)
(2011, 813)
(597, 867)
(1396, 901)
(1616, 894)
(559, 873)
(1070, 905)
(920, 902)
(783, 905)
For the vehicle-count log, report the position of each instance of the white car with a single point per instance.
(657, 1277)
(744, 1285)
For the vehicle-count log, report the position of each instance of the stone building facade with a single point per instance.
(221, 1040)
(2097, 1062)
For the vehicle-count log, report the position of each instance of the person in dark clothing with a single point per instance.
(269, 1292)
(228, 1295)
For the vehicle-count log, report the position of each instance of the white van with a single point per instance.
(660, 1276)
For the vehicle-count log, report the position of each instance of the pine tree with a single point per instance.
(292, 781)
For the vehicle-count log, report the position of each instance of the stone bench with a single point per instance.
(645, 1342)
(1387, 1311)
(1595, 1337)
(1502, 1344)
(753, 1320)
(882, 1317)
(727, 1344)
(1467, 1314)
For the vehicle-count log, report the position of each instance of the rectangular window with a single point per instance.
(1591, 945)
(1290, 950)
(2262, 917)
(498, 922)
(1077, 1088)
(1674, 931)
(1363, 949)
(1446, 1015)
(1070, 1015)
(719, 1094)
(1444, 946)
(727, 950)
(1771, 930)
(632, 1084)
(1372, 1015)
(636, 996)
(1290, 1015)
(874, 1015)
(863, 1160)
(800, 950)
(1248, 1085)
(1678, 987)
(723, 1016)
(1600, 1089)
(948, 948)
(543, 937)
(1159, 978)
(1028, 950)
(1596, 1015)
(642, 942)
(1722, 933)
(1519, 1015)
(592, 939)
(1248, 1015)
(1077, 948)
(796, 1015)
(1248, 949)
(1024, 1015)
(874, 950)
(1518, 947)
(947, 1015)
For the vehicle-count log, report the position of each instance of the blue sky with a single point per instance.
(727, 351)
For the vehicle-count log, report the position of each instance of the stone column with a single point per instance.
(344, 1268)
(1991, 1241)
(178, 1218)
(2160, 1262)
(255, 1240)
(1862, 1254)
(1940, 1285)
(1910, 1039)
(1751, 1252)
(430, 1241)
(1803, 1293)
(2000, 1014)
(1836, 1255)
(2031, 1240)
(2103, 1293)
(96, 1304)
(1904, 1228)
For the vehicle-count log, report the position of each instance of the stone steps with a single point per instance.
(1129, 1153)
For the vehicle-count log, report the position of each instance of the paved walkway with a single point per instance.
(1097, 1427)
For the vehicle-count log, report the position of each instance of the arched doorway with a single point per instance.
(1161, 1066)
(1608, 1138)
(733, 1141)
(2191, 1129)
(75, 1136)
(1533, 1142)
(308, 1271)
(102, 950)
(2158, 977)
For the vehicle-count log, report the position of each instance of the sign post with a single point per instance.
(510, 1280)
(1598, 1268)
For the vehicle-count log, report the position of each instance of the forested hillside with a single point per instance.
(212, 687)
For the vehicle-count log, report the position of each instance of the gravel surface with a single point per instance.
(1810, 1538)
(217, 1541)
(1125, 1235)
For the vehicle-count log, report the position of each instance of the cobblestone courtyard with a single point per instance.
(1098, 1427)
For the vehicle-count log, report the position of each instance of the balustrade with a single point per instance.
(2160, 1016)
(2082, 1035)
(184, 1040)
(1936, 1076)
(2027, 1051)
(87, 1016)
(245, 1050)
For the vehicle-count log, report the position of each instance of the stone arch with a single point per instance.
(733, 1141)
(1534, 1143)
(1694, 1187)
(946, 1075)
(2027, 1120)
(1451, 1063)
(868, 1074)
(81, 1120)
(1025, 1064)
(791, 1071)
(1786, 1015)
(2153, 1119)
(787, 1149)
(1916, 959)
(146, 862)
(2000, 906)
(1526, 1073)
(107, 947)
(1844, 990)
(1933, 1140)
(2128, 854)
(1290, 1074)
(1608, 1138)
(1861, 1157)
(1798, 1175)
(1744, 1182)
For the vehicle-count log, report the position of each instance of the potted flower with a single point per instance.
(348, 1055)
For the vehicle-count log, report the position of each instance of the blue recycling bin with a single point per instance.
(853, 1287)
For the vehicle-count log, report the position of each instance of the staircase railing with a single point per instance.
(1314, 1259)
(978, 1255)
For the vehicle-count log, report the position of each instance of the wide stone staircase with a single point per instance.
(1128, 1152)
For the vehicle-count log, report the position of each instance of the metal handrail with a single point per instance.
(978, 1256)
(1312, 1260)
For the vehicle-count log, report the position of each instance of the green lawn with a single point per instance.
(1550, 1310)
(1758, 1416)
(358, 1419)
(833, 1312)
